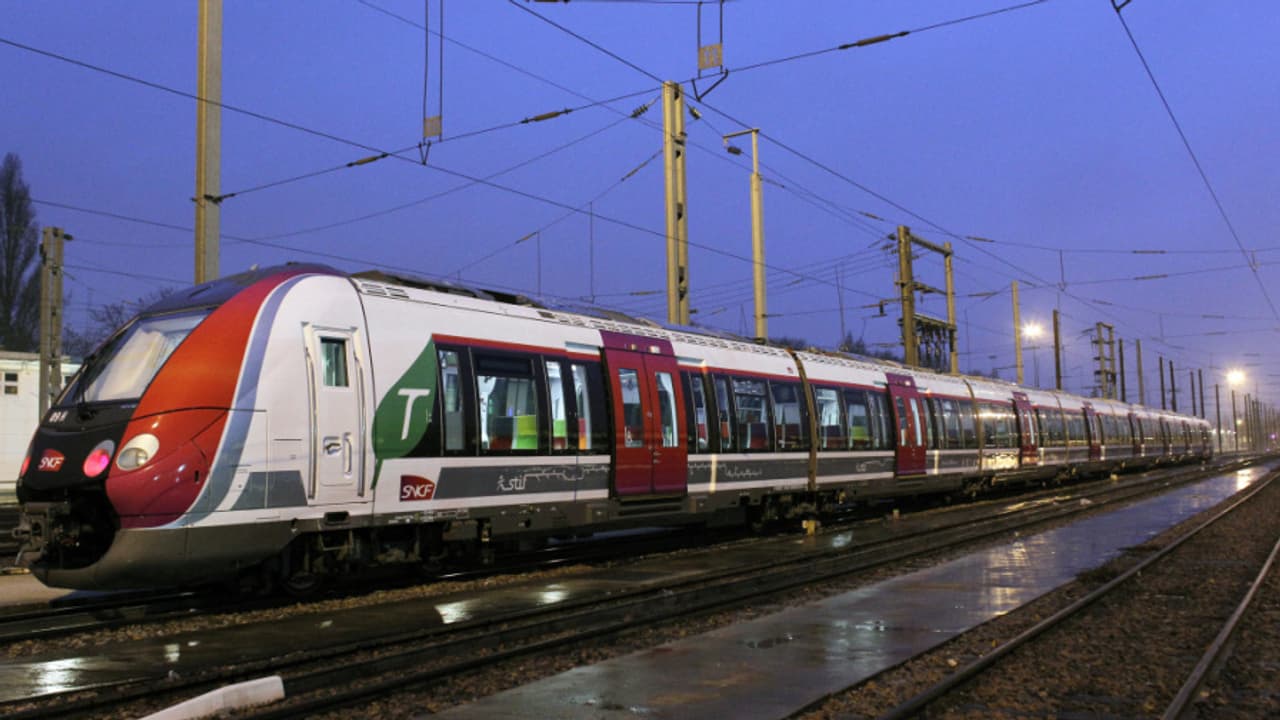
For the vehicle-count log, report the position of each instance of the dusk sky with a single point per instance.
(1037, 128)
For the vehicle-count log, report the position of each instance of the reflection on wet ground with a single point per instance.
(777, 665)
(835, 641)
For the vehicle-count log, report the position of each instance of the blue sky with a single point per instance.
(1036, 128)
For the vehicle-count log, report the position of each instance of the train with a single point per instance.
(297, 423)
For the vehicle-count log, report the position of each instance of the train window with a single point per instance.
(788, 418)
(869, 422)
(753, 428)
(878, 404)
(950, 419)
(862, 436)
(696, 400)
(588, 394)
(508, 400)
(556, 404)
(1054, 432)
(926, 411)
(333, 361)
(451, 401)
(1075, 429)
(997, 426)
(826, 402)
(667, 410)
(968, 425)
(632, 408)
(902, 438)
(917, 421)
(724, 412)
(11, 383)
(1024, 425)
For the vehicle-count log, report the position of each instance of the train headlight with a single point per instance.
(26, 462)
(138, 451)
(99, 459)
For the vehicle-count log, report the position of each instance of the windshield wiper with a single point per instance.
(82, 406)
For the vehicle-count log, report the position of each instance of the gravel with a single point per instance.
(1125, 656)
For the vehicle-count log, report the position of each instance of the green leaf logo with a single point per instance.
(405, 411)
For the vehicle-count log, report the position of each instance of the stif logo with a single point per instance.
(51, 461)
(413, 487)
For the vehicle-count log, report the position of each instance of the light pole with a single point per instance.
(757, 226)
(1234, 378)
(1032, 331)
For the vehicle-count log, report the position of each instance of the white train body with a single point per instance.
(304, 422)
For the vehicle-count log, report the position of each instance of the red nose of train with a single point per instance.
(162, 466)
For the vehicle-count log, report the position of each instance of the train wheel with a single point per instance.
(298, 575)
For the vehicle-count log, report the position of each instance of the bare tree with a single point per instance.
(19, 281)
(105, 320)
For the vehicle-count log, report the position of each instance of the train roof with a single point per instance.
(573, 312)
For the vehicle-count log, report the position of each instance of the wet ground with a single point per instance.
(862, 630)
(778, 665)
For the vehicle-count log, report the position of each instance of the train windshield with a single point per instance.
(124, 367)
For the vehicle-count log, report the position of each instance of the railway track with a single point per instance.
(1183, 592)
(114, 610)
(320, 680)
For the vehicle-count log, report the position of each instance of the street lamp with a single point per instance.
(1032, 331)
(757, 226)
(1235, 377)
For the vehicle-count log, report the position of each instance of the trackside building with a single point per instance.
(19, 412)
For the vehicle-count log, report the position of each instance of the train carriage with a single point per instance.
(296, 422)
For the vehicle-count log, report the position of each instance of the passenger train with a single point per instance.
(296, 422)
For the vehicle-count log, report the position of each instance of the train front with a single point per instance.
(125, 451)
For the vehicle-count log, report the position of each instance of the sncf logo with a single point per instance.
(413, 487)
(51, 461)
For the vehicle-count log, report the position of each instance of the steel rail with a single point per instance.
(918, 703)
(696, 596)
(1182, 700)
(830, 564)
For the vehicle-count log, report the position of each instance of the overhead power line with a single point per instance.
(877, 39)
(1186, 143)
(975, 244)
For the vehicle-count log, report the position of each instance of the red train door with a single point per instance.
(1030, 454)
(909, 420)
(1091, 428)
(650, 457)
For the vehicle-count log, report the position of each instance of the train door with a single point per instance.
(650, 456)
(1030, 441)
(909, 420)
(336, 384)
(1092, 425)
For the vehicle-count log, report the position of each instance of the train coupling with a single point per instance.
(34, 530)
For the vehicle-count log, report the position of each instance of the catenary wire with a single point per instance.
(1186, 143)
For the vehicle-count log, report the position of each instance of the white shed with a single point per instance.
(19, 412)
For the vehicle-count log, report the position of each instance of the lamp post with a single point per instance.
(1234, 378)
(757, 226)
(1032, 331)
